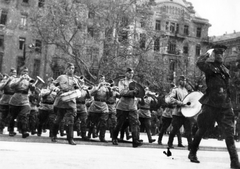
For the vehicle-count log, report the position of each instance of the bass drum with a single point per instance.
(192, 106)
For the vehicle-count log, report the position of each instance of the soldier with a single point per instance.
(176, 97)
(4, 101)
(98, 110)
(145, 113)
(82, 114)
(46, 114)
(65, 84)
(216, 103)
(19, 102)
(111, 102)
(127, 109)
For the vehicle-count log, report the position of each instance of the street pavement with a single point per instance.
(40, 153)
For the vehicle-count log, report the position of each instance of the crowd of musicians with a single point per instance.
(67, 104)
(105, 106)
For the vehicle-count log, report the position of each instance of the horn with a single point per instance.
(39, 79)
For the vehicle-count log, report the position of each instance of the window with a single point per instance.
(4, 17)
(21, 43)
(172, 48)
(185, 49)
(142, 40)
(90, 31)
(185, 31)
(20, 62)
(41, 3)
(172, 27)
(1, 42)
(198, 50)
(157, 44)
(167, 26)
(172, 65)
(25, 1)
(36, 67)
(158, 25)
(199, 32)
(23, 21)
(38, 46)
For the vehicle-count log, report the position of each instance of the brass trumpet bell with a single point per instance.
(39, 79)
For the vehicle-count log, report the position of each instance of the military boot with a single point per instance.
(70, 135)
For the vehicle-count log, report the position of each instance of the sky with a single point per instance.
(223, 15)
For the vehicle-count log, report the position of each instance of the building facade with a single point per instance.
(18, 46)
(180, 36)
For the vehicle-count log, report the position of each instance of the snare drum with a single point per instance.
(68, 96)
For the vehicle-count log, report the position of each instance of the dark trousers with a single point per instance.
(134, 123)
(224, 118)
(33, 120)
(80, 122)
(68, 114)
(4, 112)
(166, 122)
(146, 122)
(46, 117)
(21, 113)
(177, 123)
(100, 120)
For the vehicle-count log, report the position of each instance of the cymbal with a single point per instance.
(135, 85)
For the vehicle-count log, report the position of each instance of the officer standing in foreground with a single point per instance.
(216, 103)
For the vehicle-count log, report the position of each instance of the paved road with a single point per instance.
(38, 153)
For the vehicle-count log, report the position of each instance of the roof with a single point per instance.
(225, 37)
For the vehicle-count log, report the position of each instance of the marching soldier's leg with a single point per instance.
(103, 126)
(134, 124)
(147, 122)
(83, 119)
(12, 116)
(227, 122)
(23, 116)
(70, 121)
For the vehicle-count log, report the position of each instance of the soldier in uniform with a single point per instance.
(145, 113)
(216, 103)
(65, 109)
(98, 110)
(19, 102)
(46, 114)
(111, 102)
(4, 101)
(176, 97)
(82, 113)
(127, 109)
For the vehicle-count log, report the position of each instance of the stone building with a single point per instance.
(180, 36)
(18, 46)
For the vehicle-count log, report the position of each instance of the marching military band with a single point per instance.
(67, 103)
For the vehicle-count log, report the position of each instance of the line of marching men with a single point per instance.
(66, 103)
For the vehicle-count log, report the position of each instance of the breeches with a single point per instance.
(4, 112)
(67, 114)
(210, 115)
(19, 112)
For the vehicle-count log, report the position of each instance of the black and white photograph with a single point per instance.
(119, 84)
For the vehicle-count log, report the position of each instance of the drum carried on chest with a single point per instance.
(68, 96)
(192, 106)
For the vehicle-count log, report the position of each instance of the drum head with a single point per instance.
(193, 106)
